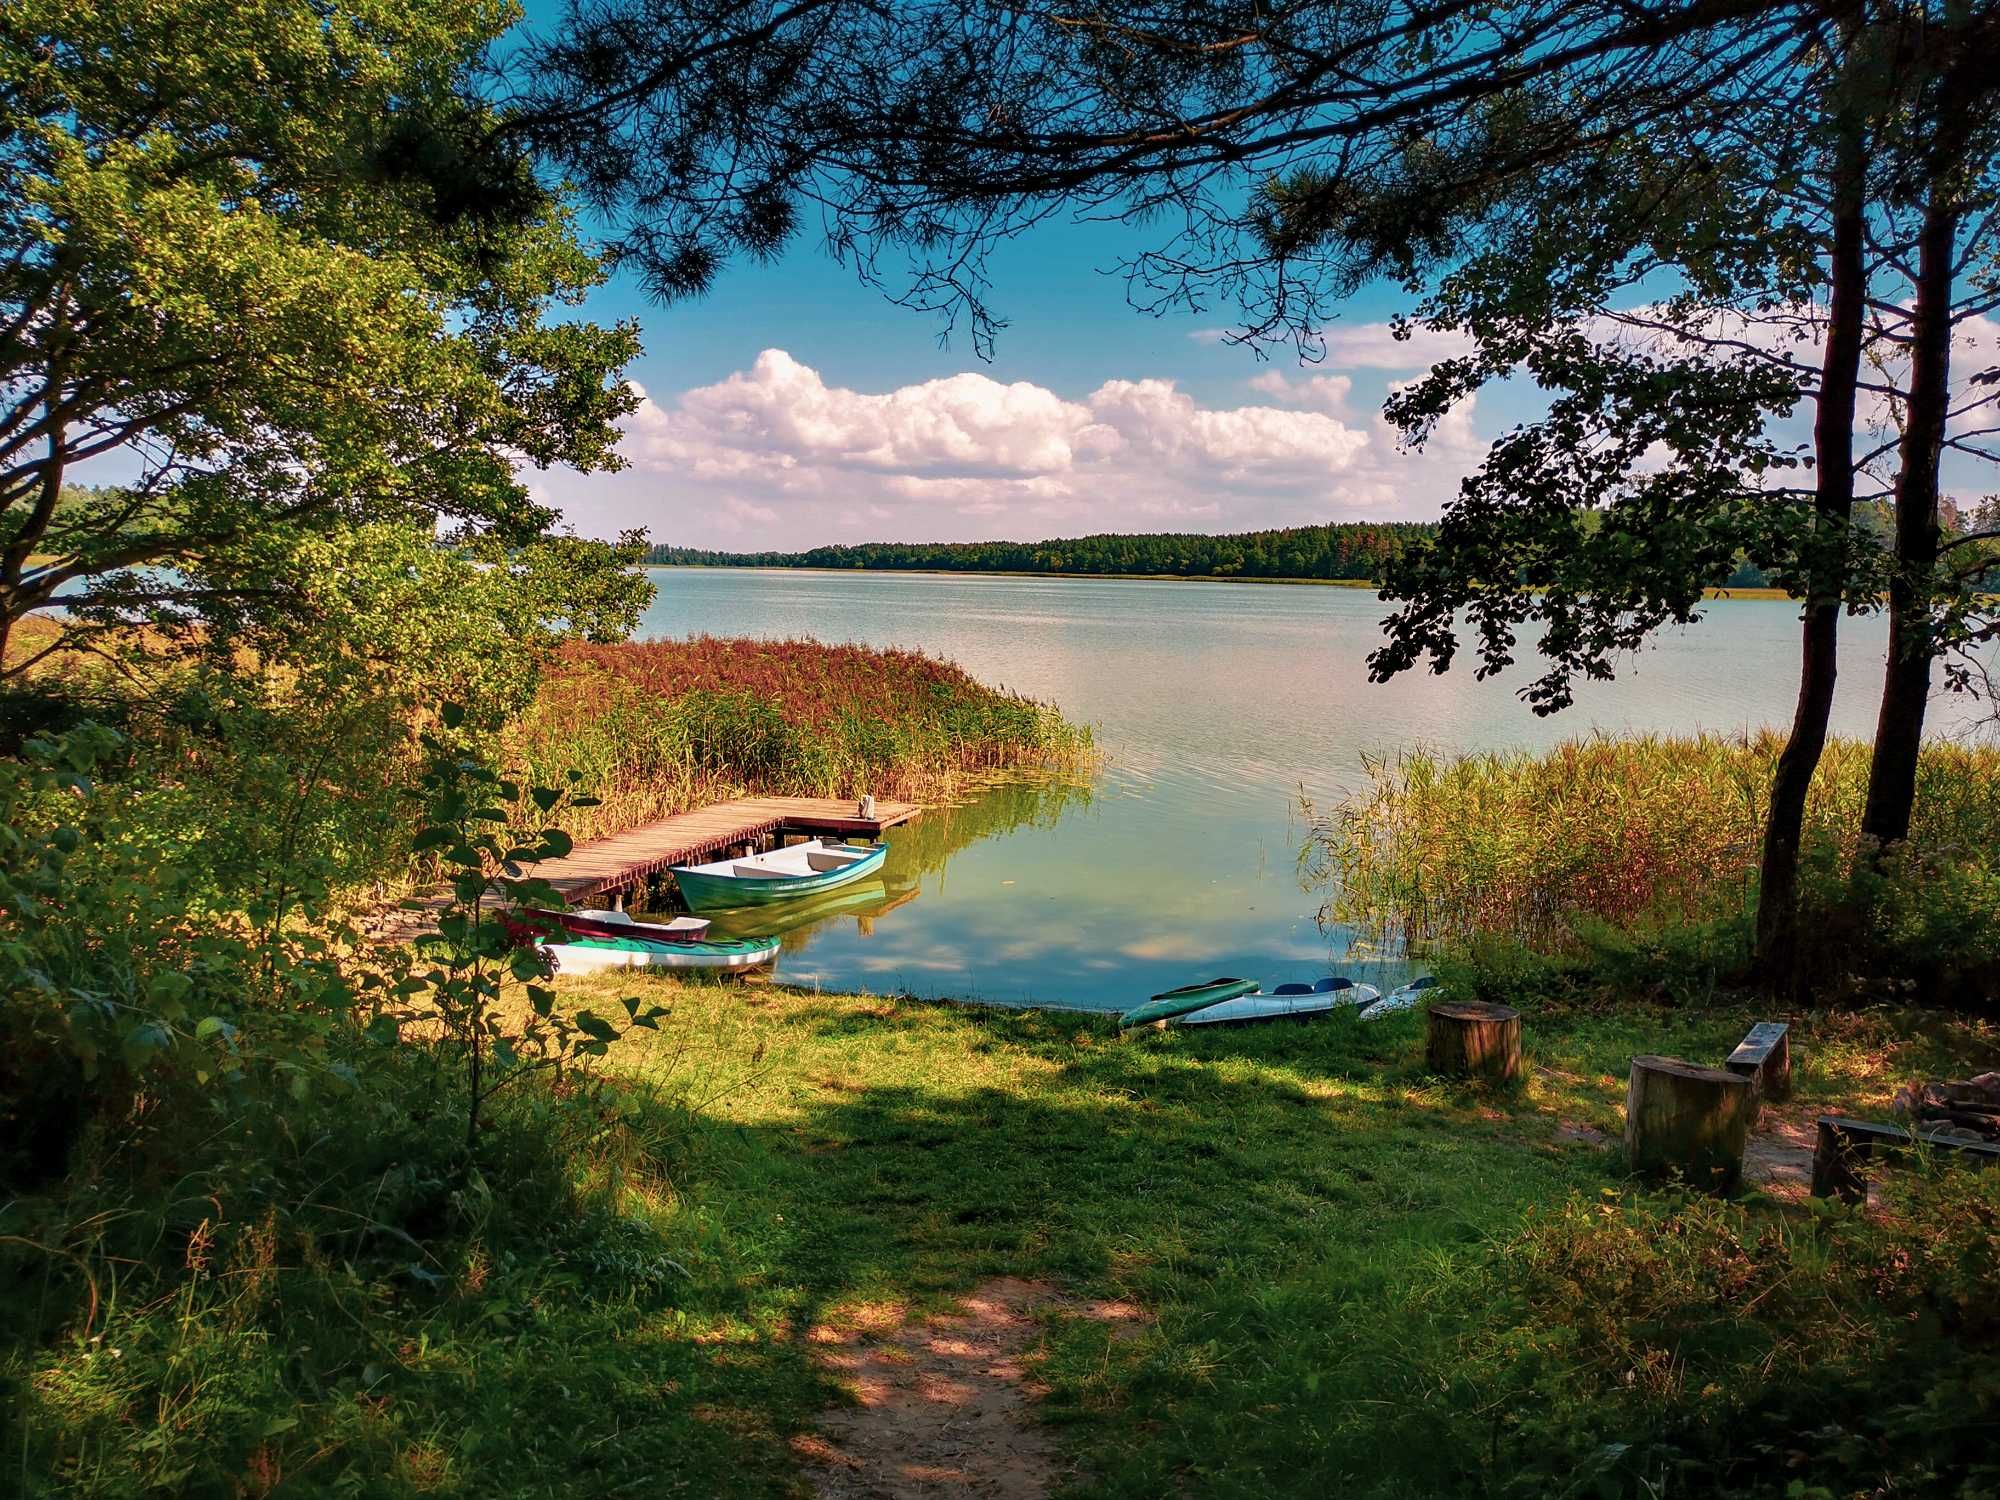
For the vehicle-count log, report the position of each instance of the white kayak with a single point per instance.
(1409, 997)
(587, 955)
(1288, 1002)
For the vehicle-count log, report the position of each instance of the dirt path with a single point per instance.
(946, 1402)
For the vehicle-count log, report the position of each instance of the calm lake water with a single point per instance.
(1218, 706)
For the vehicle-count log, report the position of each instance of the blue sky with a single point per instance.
(794, 405)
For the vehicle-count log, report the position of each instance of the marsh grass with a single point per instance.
(1347, 1264)
(1440, 851)
(659, 727)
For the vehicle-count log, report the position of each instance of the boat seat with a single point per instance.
(754, 872)
(825, 862)
(1293, 989)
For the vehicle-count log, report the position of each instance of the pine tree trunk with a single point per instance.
(1906, 686)
(1833, 508)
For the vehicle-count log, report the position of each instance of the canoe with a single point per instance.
(602, 922)
(1288, 1002)
(1411, 995)
(781, 875)
(1189, 997)
(586, 955)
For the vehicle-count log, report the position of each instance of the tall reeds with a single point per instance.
(659, 727)
(1442, 849)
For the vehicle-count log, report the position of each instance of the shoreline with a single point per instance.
(1757, 592)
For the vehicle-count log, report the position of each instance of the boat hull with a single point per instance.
(1409, 997)
(703, 891)
(1254, 1008)
(588, 955)
(567, 926)
(1165, 1007)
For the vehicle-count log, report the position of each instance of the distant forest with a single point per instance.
(1350, 551)
(1354, 550)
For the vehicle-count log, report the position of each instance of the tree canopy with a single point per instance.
(268, 261)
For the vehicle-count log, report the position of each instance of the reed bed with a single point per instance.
(1440, 850)
(654, 729)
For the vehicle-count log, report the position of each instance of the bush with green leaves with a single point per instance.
(1672, 1344)
(456, 992)
(115, 974)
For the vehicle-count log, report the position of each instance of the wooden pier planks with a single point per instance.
(689, 838)
(624, 859)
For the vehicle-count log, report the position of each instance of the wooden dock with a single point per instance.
(618, 864)
(622, 861)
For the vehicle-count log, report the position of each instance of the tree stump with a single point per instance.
(1690, 1120)
(1471, 1039)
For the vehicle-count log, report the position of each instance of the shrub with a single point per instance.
(1666, 1344)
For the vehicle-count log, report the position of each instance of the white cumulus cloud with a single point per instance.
(776, 456)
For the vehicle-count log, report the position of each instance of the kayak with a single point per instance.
(1288, 1002)
(782, 875)
(586, 955)
(1411, 995)
(1189, 997)
(602, 922)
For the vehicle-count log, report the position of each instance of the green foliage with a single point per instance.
(1638, 857)
(1690, 1346)
(465, 971)
(118, 976)
(316, 1296)
(1349, 551)
(272, 258)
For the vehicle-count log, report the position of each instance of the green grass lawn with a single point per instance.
(1294, 1206)
(1306, 1219)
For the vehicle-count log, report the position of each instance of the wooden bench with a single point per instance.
(1844, 1145)
(1764, 1056)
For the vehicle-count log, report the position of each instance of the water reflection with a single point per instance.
(919, 854)
(1218, 705)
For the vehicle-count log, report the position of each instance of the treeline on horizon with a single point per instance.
(1347, 551)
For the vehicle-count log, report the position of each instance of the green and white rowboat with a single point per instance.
(781, 875)
(586, 955)
(1189, 997)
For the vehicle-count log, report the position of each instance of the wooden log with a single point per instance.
(1686, 1120)
(1764, 1056)
(1471, 1039)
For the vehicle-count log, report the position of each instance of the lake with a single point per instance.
(1218, 706)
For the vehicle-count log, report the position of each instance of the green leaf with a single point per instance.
(595, 1026)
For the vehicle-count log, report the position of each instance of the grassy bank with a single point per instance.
(1552, 851)
(659, 727)
(1348, 1277)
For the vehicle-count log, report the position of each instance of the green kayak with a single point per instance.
(1189, 997)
